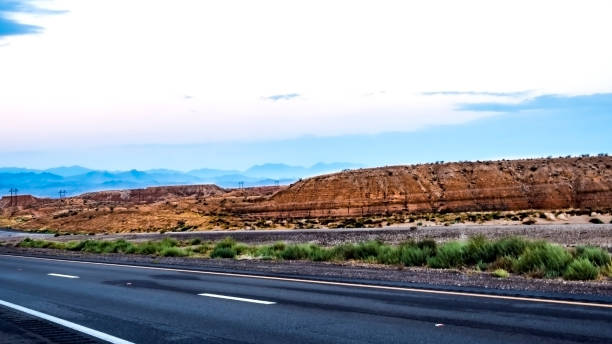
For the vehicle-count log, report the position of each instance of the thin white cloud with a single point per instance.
(83, 80)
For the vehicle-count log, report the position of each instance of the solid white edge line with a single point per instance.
(343, 284)
(238, 299)
(66, 323)
(60, 275)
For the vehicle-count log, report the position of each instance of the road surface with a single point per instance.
(149, 305)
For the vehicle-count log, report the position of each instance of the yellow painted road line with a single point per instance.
(342, 284)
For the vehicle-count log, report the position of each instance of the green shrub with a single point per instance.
(504, 262)
(410, 255)
(388, 255)
(481, 266)
(511, 246)
(596, 221)
(242, 249)
(361, 251)
(428, 243)
(595, 255)
(479, 249)
(195, 241)
(270, 251)
(27, 242)
(543, 260)
(319, 254)
(168, 242)
(202, 248)
(226, 243)
(501, 273)
(173, 252)
(449, 255)
(223, 252)
(295, 252)
(581, 269)
(147, 248)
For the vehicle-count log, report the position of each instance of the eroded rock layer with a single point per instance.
(451, 187)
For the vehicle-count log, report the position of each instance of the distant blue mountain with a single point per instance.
(76, 179)
(68, 171)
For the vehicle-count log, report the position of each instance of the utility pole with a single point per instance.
(62, 194)
(276, 182)
(13, 200)
(241, 185)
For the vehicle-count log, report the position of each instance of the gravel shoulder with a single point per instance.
(482, 282)
(567, 234)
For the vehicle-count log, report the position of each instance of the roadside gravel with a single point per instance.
(568, 234)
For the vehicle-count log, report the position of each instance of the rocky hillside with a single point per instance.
(448, 187)
(154, 194)
(367, 197)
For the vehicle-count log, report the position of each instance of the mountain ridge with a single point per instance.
(78, 179)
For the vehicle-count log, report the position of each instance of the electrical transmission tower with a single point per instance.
(241, 185)
(276, 182)
(13, 200)
(62, 194)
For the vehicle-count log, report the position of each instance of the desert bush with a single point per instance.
(223, 252)
(168, 242)
(270, 251)
(295, 252)
(226, 243)
(449, 255)
(173, 252)
(203, 248)
(511, 246)
(596, 221)
(479, 249)
(195, 241)
(319, 254)
(504, 262)
(243, 249)
(581, 269)
(388, 255)
(413, 255)
(428, 243)
(595, 255)
(148, 247)
(361, 251)
(543, 260)
(27, 242)
(500, 273)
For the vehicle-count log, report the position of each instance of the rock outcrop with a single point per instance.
(448, 187)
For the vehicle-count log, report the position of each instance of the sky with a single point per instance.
(186, 84)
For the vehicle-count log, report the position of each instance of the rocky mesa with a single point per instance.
(554, 183)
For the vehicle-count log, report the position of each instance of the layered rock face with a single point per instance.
(452, 187)
(154, 194)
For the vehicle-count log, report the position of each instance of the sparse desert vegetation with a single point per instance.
(537, 259)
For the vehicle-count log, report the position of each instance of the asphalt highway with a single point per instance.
(148, 305)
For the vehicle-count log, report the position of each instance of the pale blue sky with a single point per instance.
(230, 84)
